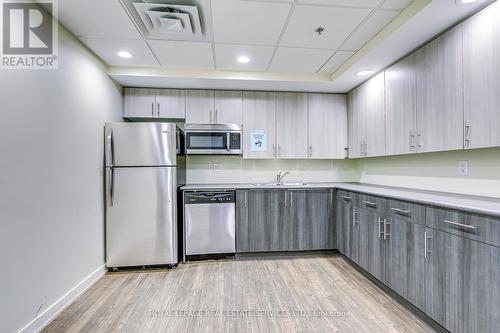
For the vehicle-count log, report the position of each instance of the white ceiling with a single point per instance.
(277, 35)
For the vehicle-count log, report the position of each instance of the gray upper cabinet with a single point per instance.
(214, 107)
(171, 103)
(327, 126)
(259, 112)
(200, 107)
(291, 125)
(400, 104)
(481, 49)
(228, 107)
(366, 119)
(439, 93)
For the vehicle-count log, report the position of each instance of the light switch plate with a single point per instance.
(463, 168)
(217, 167)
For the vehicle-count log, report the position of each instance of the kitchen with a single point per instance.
(249, 165)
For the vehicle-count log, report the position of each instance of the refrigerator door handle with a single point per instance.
(112, 148)
(111, 186)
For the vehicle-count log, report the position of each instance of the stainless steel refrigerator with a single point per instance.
(141, 194)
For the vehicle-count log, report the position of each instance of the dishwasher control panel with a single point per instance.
(193, 198)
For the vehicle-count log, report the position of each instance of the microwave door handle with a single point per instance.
(228, 144)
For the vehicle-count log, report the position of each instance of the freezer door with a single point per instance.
(140, 144)
(141, 216)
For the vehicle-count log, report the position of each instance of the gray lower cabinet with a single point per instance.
(312, 219)
(344, 221)
(462, 283)
(261, 225)
(404, 259)
(371, 243)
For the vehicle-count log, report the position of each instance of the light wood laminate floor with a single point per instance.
(305, 294)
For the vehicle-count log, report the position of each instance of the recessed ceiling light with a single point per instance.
(364, 72)
(125, 54)
(243, 59)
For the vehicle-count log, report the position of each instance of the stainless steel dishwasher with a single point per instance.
(210, 222)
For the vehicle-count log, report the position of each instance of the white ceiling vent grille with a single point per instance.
(160, 20)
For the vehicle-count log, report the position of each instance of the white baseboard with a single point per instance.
(44, 318)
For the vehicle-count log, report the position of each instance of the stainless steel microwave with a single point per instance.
(213, 139)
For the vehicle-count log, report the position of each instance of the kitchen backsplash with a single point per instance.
(228, 169)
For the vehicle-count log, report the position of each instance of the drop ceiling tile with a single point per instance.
(178, 54)
(369, 29)
(97, 19)
(226, 55)
(396, 4)
(248, 22)
(338, 59)
(344, 3)
(107, 50)
(338, 24)
(299, 60)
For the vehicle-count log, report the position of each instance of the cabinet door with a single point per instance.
(171, 103)
(200, 107)
(462, 288)
(374, 112)
(401, 121)
(404, 260)
(481, 79)
(242, 231)
(439, 93)
(267, 227)
(371, 243)
(139, 103)
(327, 126)
(259, 111)
(344, 219)
(291, 125)
(312, 225)
(228, 107)
(355, 124)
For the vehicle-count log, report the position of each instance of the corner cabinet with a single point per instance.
(481, 61)
(327, 126)
(154, 103)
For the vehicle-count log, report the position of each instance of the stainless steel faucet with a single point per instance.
(280, 176)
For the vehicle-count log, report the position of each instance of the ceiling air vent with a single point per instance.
(159, 20)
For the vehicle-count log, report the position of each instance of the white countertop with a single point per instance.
(468, 203)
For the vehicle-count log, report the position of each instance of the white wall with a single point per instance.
(437, 171)
(235, 169)
(51, 211)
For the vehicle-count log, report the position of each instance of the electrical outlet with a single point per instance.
(463, 168)
(217, 167)
(333, 166)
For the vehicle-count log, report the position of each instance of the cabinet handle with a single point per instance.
(361, 153)
(274, 150)
(412, 137)
(346, 197)
(211, 122)
(386, 234)
(466, 134)
(279, 150)
(426, 247)
(366, 149)
(310, 151)
(291, 199)
(419, 136)
(158, 109)
(400, 211)
(371, 204)
(379, 228)
(286, 198)
(152, 109)
(246, 199)
(216, 118)
(354, 214)
(461, 225)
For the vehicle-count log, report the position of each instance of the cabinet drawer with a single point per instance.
(372, 203)
(407, 211)
(347, 196)
(476, 227)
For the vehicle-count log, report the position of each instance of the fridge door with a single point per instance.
(141, 144)
(141, 221)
